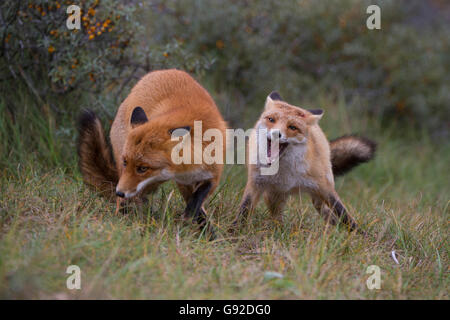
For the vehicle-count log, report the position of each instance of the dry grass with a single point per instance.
(50, 220)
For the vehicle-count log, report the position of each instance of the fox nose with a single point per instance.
(120, 194)
(276, 134)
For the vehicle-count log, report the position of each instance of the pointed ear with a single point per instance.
(138, 117)
(314, 118)
(179, 132)
(316, 111)
(273, 96)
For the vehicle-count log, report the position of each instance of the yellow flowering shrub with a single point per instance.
(104, 56)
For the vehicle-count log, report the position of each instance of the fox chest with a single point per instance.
(291, 176)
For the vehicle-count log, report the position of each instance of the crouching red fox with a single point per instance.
(159, 105)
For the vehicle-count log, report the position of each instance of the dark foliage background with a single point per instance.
(313, 52)
(306, 47)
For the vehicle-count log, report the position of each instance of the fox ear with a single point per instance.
(314, 117)
(273, 96)
(179, 132)
(316, 111)
(138, 117)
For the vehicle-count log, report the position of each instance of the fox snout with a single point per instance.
(277, 134)
(274, 134)
(120, 194)
(129, 185)
(125, 192)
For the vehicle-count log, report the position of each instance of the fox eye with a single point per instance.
(271, 119)
(293, 128)
(124, 163)
(141, 169)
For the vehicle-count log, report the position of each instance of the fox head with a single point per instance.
(288, 124)
(146, 157)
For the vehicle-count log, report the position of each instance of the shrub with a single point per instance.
(302, 47)
(104, 57)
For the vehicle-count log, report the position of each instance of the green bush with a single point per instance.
(304, 47)
(104, 57)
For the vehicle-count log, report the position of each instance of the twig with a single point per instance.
(125, 82)
(394, 257)
(30, 85)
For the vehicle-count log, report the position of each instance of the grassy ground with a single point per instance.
(50, 220)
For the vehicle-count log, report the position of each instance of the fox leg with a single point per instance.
(186, 191)
(275, 201)
(323, 208)
(248, 203)
(194, 198)
(338, 207)
(332, 209)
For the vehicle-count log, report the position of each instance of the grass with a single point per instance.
(50, 220)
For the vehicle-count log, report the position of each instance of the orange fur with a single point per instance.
(304, 163)
(170, 99)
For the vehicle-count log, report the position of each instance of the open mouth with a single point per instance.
(281, 148)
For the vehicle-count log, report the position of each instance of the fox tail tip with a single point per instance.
(349, 151)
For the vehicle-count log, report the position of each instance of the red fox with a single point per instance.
(140, 159)
(305, 161)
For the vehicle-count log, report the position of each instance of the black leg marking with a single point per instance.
(243, 212)
(194, 205)
(340, 211)
(245, 206)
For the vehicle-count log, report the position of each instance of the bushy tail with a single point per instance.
(95, 155)
(349, 151)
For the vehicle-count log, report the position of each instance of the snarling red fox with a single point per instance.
(306, 161)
